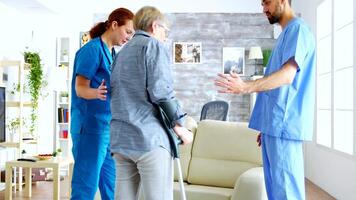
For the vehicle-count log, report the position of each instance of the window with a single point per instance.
(335, 76)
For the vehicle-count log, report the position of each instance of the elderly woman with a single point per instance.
(141, 80)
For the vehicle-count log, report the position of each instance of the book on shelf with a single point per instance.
(63, 115)
(63, 134)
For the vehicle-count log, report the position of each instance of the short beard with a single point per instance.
(276, 17)
(273, 19)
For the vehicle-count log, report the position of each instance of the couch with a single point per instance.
(223, 163)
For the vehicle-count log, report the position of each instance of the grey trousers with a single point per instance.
(151, 172)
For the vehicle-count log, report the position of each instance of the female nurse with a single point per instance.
(90, 108)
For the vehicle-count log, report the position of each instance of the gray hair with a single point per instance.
(145, 17)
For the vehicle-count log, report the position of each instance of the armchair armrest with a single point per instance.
(250, 185)
(190, 124)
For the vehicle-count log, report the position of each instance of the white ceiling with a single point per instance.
(105, 6)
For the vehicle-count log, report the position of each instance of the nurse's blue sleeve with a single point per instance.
(87, 61)
(295, 45)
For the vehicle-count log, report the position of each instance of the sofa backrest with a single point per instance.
(221, 152)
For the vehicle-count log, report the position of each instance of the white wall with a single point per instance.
(332, 171)
(39, 32)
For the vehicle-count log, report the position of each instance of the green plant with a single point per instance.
(16, 88)
(57, 152)
(35, 81)
(13, 125)
(266, 55)
(64, 94)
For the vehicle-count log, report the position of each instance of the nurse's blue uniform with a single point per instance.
(90, 126)
(285, 115)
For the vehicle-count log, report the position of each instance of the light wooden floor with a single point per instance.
(43, 191)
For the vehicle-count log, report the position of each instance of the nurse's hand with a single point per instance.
(259, 139)
(184, 134)
(231, 83)
(101, 91)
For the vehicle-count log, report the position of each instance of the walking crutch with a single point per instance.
(167, 109)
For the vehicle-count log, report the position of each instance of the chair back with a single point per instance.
(215, 110)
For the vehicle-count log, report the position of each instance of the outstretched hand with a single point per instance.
(101, 91)
(230, 83)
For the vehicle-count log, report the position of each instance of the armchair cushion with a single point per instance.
(199, 192)
(222, 151)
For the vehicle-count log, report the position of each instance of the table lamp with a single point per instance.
(256, 53)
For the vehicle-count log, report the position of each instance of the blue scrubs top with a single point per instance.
(92, 61)
(288, 111)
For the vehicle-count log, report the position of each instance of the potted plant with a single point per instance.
(57, 153)
(35, 83)
(23, 153)
(13, 126)
(64, 97)
(266, 55)
(15, 90)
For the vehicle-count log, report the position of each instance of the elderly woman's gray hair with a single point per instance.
(145, 17)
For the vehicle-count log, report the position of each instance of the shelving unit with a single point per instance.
(61, 135)
(19, 104)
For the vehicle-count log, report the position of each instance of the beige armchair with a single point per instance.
(222, 163)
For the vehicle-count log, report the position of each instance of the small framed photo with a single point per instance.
(234, 60)
(84, 37)
(187, 52)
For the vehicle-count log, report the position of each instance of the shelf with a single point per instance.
(33, 141)
(61, 135)
(10, 63)
(17, 104)
(10, 144)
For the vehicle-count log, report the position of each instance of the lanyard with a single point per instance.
(105, 53)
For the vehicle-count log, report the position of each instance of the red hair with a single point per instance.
(120, 15)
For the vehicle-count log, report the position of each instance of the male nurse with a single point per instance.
(284, 109)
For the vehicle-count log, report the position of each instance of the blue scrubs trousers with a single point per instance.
(283, 168)
(93, 167)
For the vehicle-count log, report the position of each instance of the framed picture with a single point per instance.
(187, 52)
(234, 60)
(84, 37)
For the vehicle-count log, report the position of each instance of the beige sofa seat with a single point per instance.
(203, 192)
(223, 162)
